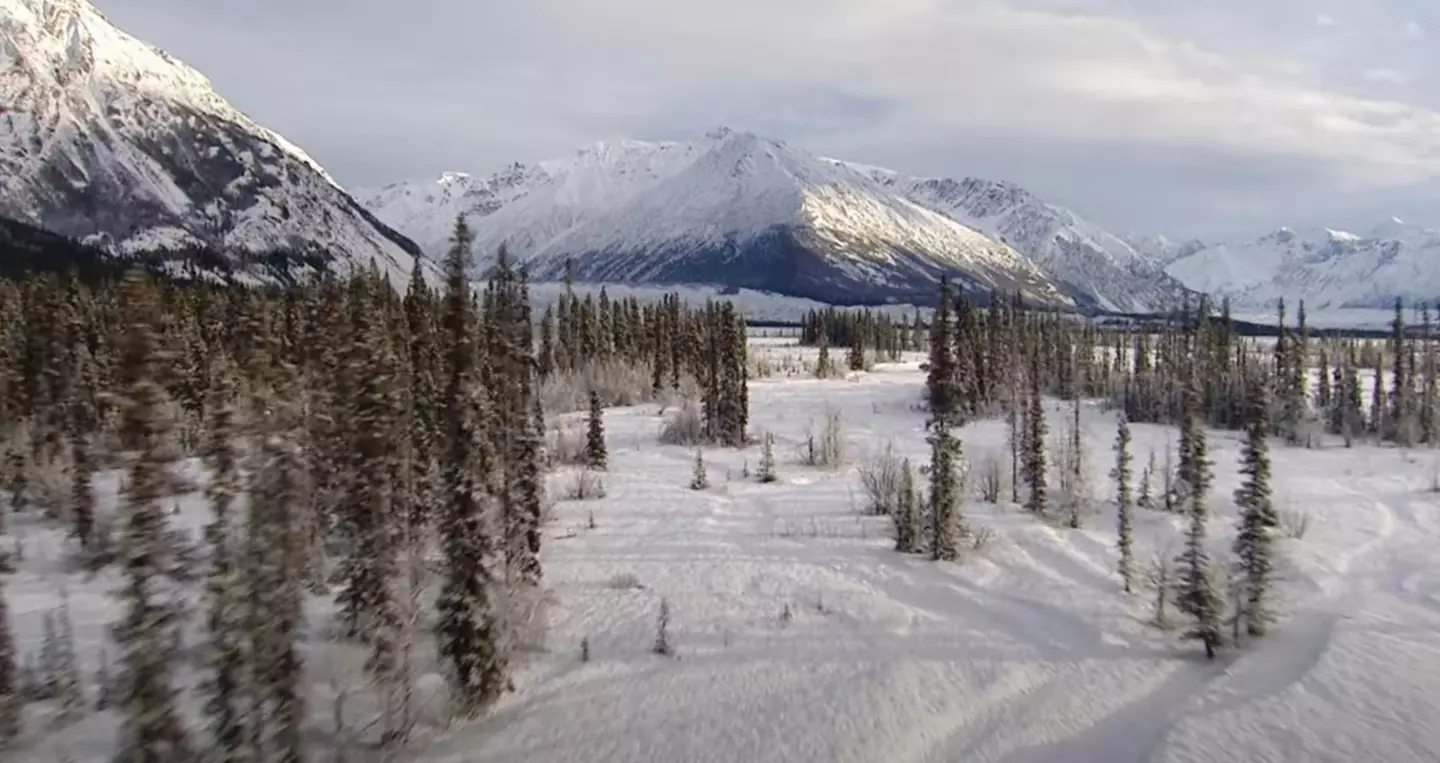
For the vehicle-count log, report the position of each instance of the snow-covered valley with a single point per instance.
(802, 636)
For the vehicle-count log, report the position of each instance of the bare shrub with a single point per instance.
(522, 610)
(626, 581)
(565, 445)
(615, 382)
(981, 538)
(882, 477)
(1294, 523)
(1160, 576)
(990, 476)
(828, 450)
(684, 426)
(586, 485)
(48, 484)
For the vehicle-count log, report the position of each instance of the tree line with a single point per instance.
(384, 452)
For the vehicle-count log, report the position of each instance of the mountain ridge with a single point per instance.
(1325, 267)
(112, 141)
(708, 197)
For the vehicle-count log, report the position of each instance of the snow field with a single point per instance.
(1026, 651)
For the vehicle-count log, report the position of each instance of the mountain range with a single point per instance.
(113, 143)
(745, 211)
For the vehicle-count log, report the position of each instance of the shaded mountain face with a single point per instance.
(733, 209)
(1069, 248)
(108, 140)
(1324, 267)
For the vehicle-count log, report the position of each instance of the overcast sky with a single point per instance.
(1188, 117)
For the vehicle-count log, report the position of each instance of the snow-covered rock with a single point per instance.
(1066, 246)
(733, 209)
(107, 139)
(1325, 267)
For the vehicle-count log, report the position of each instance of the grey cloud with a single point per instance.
(378, 91)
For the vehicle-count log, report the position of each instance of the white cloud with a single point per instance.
(1326, 20)
(992, 66)
(1226, 106)
(1385, 75)
(1414, 30)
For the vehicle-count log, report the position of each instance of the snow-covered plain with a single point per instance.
(1027, 651)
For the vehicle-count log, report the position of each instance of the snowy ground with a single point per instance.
(1027, 652)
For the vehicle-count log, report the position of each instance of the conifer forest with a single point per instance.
(345, 521)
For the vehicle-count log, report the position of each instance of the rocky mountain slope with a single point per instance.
(109, 140)
(1063, 244)
(1327, 268)
(744, 211)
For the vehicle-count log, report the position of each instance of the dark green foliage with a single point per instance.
(596, 456)
(1125, 540)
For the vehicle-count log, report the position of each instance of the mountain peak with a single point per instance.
(742, 209)
(110, 139)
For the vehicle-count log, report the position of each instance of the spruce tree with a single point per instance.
(274, 588)
(10, 701)
(767, 460)
(947, 525)
(596, 456)
(1035, 432)
(1253, 544)
(1196, 595)
(909, 533)
(151, 729)
(699, 480)
(856, 357)
(224, 682)
(467, 623)
(1124, 540)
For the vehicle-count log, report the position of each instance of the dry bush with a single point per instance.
(1294, 523)
(684, 426)
(625, 581)
(522, 610)
(990, 476)
(565, 446)
(585, 485)
(882, 477)
(981, 538)
(828, 451)
(615, 382)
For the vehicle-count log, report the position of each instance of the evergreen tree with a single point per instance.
(909, 533)
(1124, 540)
(940, 377)
(226, 658)
(1196, 595)
(151, 729)
(947, 524)
(699, 480)
(856, 357)
(275, 588)
(1035, 432)
(10, 699)
(767, 459)
(1253, 542)
(466, 630)
(596, 456)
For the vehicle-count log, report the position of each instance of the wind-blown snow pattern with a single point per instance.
(734, 209)
(1325, 267)
(1062, 243)
(110, 140)
(1025, 652)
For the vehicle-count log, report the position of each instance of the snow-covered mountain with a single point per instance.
(1063, 244)
(733, 209)
(107, 139)
(1327, 268)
